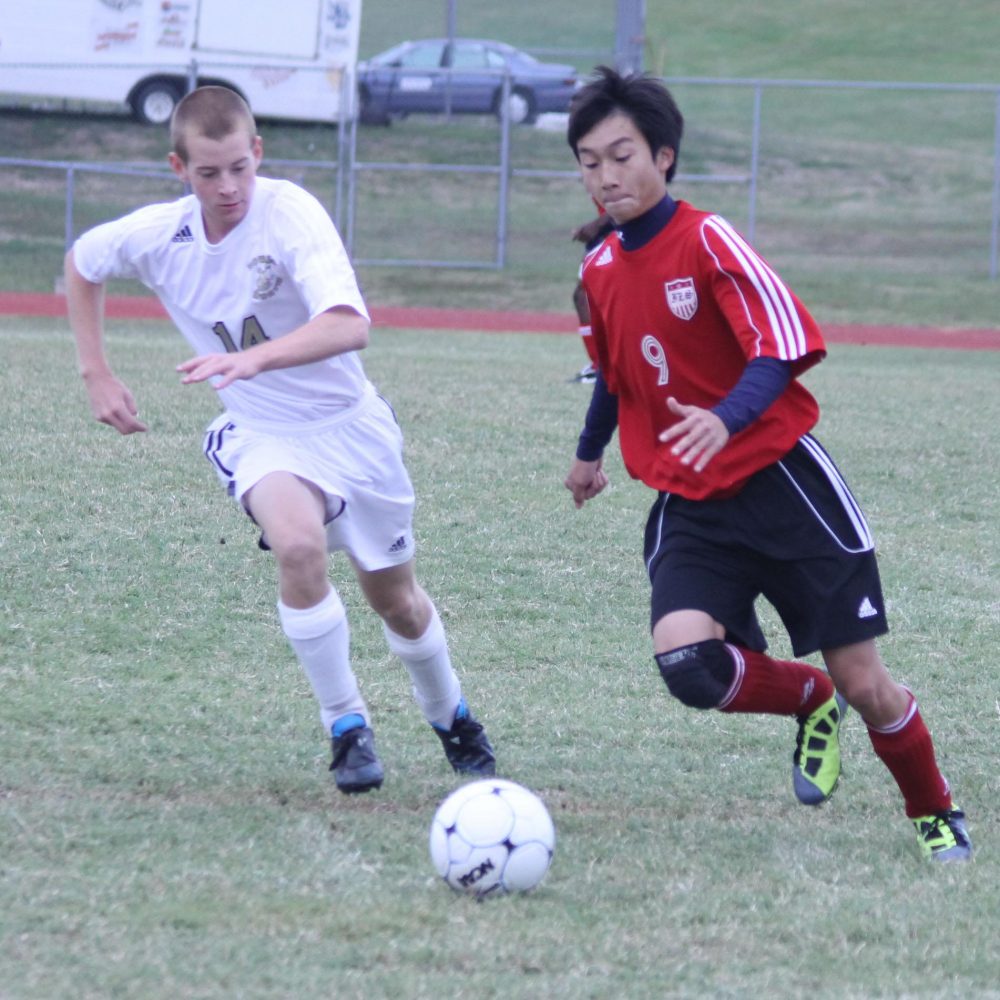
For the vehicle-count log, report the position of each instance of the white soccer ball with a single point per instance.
(492, 836)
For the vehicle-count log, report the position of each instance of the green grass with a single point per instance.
(875, 206)
(167, 825)
(785, 39)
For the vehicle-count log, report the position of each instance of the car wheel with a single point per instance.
(154, 102)
(520, 106)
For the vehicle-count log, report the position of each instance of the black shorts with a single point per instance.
(793, 534)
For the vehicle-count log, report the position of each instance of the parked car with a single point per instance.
(463, 76)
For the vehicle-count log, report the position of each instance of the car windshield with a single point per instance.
(467, 55)
(423, 55)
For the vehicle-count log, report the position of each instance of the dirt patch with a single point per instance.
(487, 320)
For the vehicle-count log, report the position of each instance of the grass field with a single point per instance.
(167, 825)
(168, 828)
(875, 206)
(786, 39)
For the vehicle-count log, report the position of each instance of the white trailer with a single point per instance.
(293, 59)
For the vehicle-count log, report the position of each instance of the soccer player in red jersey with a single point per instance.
(699, 346)
(590, 234)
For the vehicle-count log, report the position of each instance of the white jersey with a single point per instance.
(281, 266)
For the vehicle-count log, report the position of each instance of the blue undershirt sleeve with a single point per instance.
(600, 423)
(761, 383)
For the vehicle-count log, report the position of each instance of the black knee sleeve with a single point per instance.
(698, 675)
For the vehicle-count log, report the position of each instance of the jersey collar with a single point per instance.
(639, 231)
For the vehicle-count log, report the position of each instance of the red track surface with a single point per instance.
(141, 307)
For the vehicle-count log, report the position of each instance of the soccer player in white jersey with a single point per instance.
(254, 275)
(699, 346)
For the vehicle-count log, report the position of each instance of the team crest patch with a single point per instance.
(266, 280)
(681, 297)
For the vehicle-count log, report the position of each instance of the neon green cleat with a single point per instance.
(943, 836)
(816, 762)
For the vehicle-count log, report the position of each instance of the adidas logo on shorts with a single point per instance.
(867, 609)
(399, 545)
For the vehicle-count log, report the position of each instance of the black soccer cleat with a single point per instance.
(355, 766)
(466, 746)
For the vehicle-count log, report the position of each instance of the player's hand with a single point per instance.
(113, 404)
(225, 368)
(585, 480)
(697, 437)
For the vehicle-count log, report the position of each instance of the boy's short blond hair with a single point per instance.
(213, 112)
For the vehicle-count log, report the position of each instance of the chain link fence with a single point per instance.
(861, 175)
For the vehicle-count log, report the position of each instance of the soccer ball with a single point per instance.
(490, 837)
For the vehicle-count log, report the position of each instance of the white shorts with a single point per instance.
(355, 459)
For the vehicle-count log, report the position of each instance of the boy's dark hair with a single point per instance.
(638, 96)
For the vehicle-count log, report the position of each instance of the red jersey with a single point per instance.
(682, 316)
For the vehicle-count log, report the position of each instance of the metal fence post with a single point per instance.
(758, 97)
(503, 193)
(995, 222)
(630, 35)
(346, 105)
(352, 182)
(70, 188)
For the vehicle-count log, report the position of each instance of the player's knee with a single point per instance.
(400, 602)
(302, 568)
(699, 675)
(300, 553)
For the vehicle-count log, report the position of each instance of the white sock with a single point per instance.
(435, 685)
(321, 639)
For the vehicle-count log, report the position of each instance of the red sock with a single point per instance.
(907, 750)
(777, 687)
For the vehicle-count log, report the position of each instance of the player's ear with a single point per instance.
(258, 149)
(665, 159)
(177, 165)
